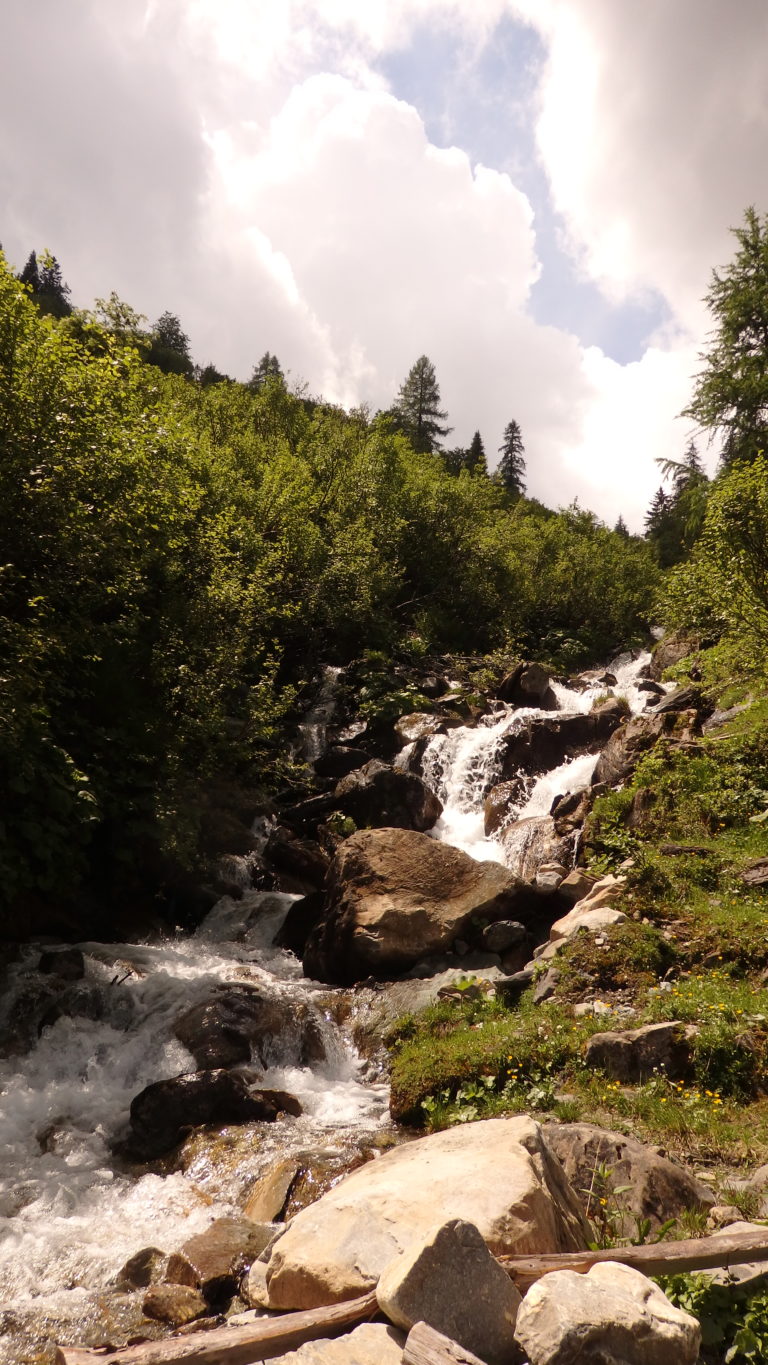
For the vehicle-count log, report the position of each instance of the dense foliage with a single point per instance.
(180, 555)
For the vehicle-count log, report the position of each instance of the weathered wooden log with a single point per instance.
(425, 1346)
(660, 1258)
(236, 1345)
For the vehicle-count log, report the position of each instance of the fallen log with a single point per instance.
(425, 1346)
(660, 1258)
(261, 1340)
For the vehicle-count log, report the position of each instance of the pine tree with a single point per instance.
(44, 279)
(474, 459)
(621, 528)
(269, 367)
(418, 407)
(30, 275)
(511, 467)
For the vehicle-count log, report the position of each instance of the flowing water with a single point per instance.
(71, 1212)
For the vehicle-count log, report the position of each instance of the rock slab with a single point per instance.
(498, 1174)
(450, 1280)
(613, 1315)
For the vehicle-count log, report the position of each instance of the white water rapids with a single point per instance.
(70, 1213)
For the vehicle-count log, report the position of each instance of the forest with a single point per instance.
(183, 552)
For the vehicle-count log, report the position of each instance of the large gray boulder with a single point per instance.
(531, 842)
(653, 1187)
(613, 1315)
(395, 896)
(378, 794)
(450, 1280)
(633, 1055)
(373, 1343)
(544, 742)
(626, 746)
(498, 1174)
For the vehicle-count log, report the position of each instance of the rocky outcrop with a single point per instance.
(669, 651)
(527, 685)
(301, 863)
(418, 725)
(633, 1055)
(164, 1112)
(501, 801)
(378, 794)
(544, 742)
(224, 1030)
(395, 896)
(449, 1279)
(613, 1315)
(626, 746)
(498, 1174)
(652, 1187)
(530, 843)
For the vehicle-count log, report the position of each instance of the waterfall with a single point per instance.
(463, 765)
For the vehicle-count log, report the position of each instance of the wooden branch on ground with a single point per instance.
(661, 1258)
(261, 1340)
(425, 1346)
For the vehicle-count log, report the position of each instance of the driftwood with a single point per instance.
(661, 1258)
(425, 1346)
(261, 1340)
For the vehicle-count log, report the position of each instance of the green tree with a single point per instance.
(418, 407)
(45, 282)
(169, 346)
(730, 399)
(268, 368)
(621, 528)
(510, 471)
(475, 460)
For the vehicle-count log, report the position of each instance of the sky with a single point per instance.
(533, 193)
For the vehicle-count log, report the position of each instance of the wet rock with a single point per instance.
(549, 876)
(78, 1001)
(501, 801)
(303, 915)
(611, 1314)
(222, 1031)
(635, 1054)
(449, 1279)
(173, 1303)
(220, 1255)
(164, 1112)
(302, 860)
(144, 1268)
(531, 842)
(395, 896)
(682, 699)
(68, 964)
(418, 725)
(379, 794)
(570, 811)
(651, 1185)
(498, 1174)
(267, 1199)
(544, 742)
(654, 689)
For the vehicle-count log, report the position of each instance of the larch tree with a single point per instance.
(418, 407)
(269, 367)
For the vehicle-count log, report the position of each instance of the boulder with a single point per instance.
(593, 920)
(531, 842)
(603, 892)
(503, 935)
(394, 896)
(339, 760)
(756, 874)
(550, 875)
(449, 1279)
(303, 915)
(418, 725)
(174, 1303)
(654, 689)
(651, 1185)
(223, 1030)
(576, 885)
(220, 1255)
(624, 748)
(68, 964)
(144, 1268)
(379, 794)
(544, 742)
(266, 1200)
(165, 1111)
(498, 1174)
(373, 1343)
(612, 1315)
(501, 801)
(527, 685)
(635, 1054)
(303, 861)
(669, 651)
(681, 699)
(571, 810)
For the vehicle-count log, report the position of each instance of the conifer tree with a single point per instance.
(269, 367)
(169, 348)
(621, 527)
(511, 468)
(418, 407)
(474, 459)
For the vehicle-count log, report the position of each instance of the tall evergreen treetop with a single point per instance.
(475, 460)
(511, 468)
(169, 348)
(269, 367)
(418, 407)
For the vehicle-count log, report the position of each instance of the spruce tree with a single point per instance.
(269, 367)
(621, 528)
(474, 459)
(511, 468)
(418, 407)
(30, 275)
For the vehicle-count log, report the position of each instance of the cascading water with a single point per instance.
(69, 1215)
(462, 766)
